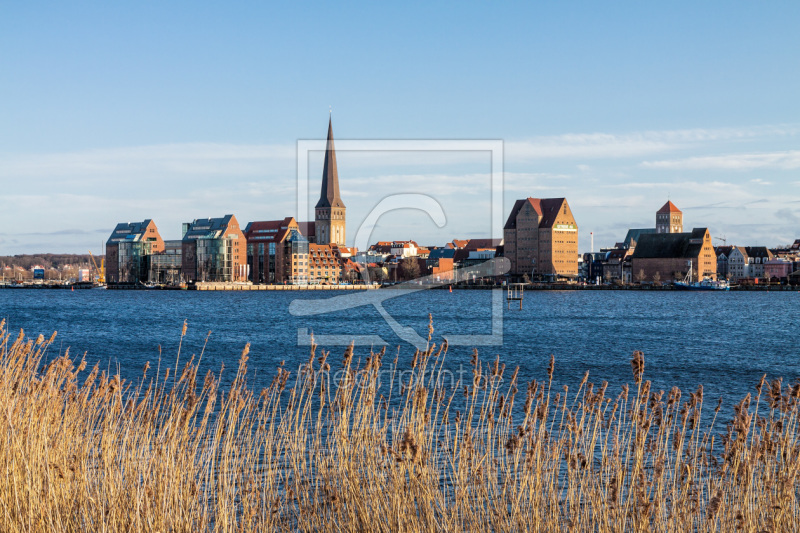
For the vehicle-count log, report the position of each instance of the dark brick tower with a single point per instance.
(329, 214)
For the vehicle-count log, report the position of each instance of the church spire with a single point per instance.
(329, 196)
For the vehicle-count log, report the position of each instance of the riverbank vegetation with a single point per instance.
(81, 450)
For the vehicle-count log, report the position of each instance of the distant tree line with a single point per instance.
(57, 261)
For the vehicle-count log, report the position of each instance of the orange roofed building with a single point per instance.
(541, 239)
(326, 264)
(269, 259)
(669, 219)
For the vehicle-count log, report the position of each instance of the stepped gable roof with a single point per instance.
(208, 228)
(329, 195)
(129, 231)
(633, 236)
(307, 228)
(670, 245)
(269, 230)
(758, 251)
(667, 208)
(547, 208)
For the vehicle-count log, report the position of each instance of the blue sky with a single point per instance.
(122, 111)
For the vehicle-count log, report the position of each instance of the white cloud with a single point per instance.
(191, 159)
(175, 183)
(787, 160)
(637, 144)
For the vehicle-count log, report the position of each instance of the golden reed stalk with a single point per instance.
(86, 451)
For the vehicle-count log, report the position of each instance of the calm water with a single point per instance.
(725, 341)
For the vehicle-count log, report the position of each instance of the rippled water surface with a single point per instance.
(724, 341)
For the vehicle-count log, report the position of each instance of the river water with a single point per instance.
(724, 341)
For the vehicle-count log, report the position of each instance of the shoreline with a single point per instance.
(532, 287)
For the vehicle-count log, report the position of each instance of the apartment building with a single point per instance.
(128, 251)
(265, 248)
(214, 249)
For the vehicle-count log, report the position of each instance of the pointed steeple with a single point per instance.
(329, 196)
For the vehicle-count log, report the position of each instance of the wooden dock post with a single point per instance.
(516, 291)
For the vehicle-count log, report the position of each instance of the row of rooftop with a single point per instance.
(539, 242)
(672, 254)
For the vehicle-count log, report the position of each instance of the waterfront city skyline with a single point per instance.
(182, 112)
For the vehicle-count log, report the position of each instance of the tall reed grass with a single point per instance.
(81, 450)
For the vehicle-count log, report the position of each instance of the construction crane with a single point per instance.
(723, 239)
(101, 271)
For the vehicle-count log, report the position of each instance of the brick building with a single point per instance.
(214, 249)
(541, 239)
(440, 264)
(266, 249)
(669, 256)
(128, 250)
(326, 264)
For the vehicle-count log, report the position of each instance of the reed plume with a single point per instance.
(87, 451)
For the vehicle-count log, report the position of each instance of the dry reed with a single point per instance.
(86, 451)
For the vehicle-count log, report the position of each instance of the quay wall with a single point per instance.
(247, 287)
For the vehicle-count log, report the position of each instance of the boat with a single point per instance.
(707, 284)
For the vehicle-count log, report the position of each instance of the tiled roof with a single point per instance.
(741, 250)
(667, 208)
(550, 208)
(633, 236)
(547, 208)
(475, 244)
(269, 230)
(670, 245)
(758, 251)
(723, 250)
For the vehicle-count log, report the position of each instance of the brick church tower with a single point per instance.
(329, 213)
(669, 219)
